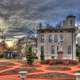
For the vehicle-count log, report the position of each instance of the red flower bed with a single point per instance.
(78, 66)
(22, 62)
(15, 71)
(60, 62)
(6, 64)
(4, 67)
(24, 65)
(51, 75)
(58, 68)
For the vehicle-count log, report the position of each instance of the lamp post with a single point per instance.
(22, 74)
(77, 76)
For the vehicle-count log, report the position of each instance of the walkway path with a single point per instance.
(42, 67)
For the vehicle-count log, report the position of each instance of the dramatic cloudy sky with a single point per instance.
(21, 15)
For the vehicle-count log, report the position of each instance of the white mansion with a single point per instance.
(58, 42)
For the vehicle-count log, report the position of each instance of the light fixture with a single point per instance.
(22, 74)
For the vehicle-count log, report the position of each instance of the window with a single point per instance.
(69, 49)
(50, 38)
(42, 38)
(52, 49)
(61, 38)
(42, 49)
(55, 38)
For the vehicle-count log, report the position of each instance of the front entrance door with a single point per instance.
(60, 55)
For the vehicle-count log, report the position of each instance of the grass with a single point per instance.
(78, 71)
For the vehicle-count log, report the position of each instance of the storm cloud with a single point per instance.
(29, 13)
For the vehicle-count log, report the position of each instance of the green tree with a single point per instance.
(78, 52)
(30, 57)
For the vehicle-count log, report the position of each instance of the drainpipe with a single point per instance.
(72, 44)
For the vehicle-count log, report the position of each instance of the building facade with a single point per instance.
(58, 42)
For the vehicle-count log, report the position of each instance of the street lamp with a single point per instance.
(22, 74)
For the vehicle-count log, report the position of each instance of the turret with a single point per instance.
(69, 22)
